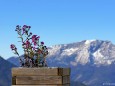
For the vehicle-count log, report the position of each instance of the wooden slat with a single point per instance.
(42, 85)
(40, 71)
(66, 79)
(14, 80)
(66, 71)
(41, 80)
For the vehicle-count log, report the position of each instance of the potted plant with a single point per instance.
(34, 70)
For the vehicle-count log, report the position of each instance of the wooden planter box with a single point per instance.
(40, 76)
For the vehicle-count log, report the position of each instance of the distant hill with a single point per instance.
(5, 72)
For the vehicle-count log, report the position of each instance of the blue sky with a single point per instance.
(56, 21)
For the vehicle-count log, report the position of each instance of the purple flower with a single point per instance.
(17, 26)
(30, 33)
(25, 29)
(18, 29)
(25, 26)
(35, 43)
(29, 26)
(13, 47)
(34, 36)
(35, 39)
(38, 37)
(42, 43)
(27, 44)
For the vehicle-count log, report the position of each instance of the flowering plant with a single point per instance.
(34, 50)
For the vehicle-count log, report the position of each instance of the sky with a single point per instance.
(56, 21)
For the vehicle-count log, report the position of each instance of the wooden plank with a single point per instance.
(41, 80)
(43, 85)
(14, 80)
(40, 71)
(66, 71)
(66, 79)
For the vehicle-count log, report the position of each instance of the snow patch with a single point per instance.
(73, 63)
(69, 51)
(97, 54)
(54, 49)
(109, 62)
(89, 41)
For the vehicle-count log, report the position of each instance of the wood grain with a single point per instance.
(66, 79)
(42, 85)
(42, 80)
(40, 71)
(66, 71)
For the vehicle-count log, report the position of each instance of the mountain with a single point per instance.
(92, 62)
(5, 72)
(14, 60)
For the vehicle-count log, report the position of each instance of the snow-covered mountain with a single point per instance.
(91, 61)
(95, 52)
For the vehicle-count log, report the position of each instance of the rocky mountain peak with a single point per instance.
(87, 51)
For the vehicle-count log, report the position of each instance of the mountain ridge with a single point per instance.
(87, 60)
(91, 49)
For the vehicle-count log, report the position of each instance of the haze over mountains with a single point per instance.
(92, 62)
